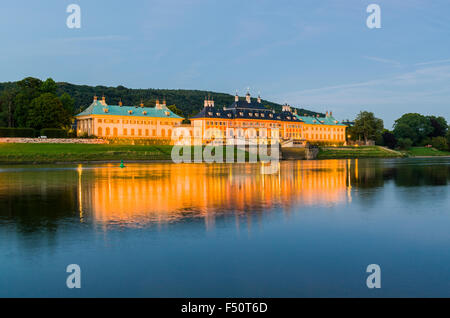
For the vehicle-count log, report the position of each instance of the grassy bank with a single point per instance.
(350, 152)
(49, 153)
(17, 153)
(426, 152)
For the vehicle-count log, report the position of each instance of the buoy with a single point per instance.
(121, 164)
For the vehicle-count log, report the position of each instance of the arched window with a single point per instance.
(107, 131)
(99, 131)
(115, 132)
(163, 133)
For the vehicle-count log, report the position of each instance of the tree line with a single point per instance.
(22, 103)
(411, 129)
(36, 104)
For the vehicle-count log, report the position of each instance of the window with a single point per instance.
(146, 132)
(132, 132)
(99, 120)
(107, 131)
(139, 132)
(125, 132)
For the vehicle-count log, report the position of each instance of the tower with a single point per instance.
(247, 97)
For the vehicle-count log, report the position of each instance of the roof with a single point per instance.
(242, 109)
(97, 108)
(328, 120)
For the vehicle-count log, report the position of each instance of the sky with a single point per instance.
(316, 54)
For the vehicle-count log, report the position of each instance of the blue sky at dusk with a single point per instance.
(314, 54)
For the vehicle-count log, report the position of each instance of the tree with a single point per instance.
(439, 125)
(68, 103)
(28, 89)
(7, 107)
(439, 143)
(49, 86)
(405, 143)
(389, 139)
(367, 126)
(413, 126)
(47, 111)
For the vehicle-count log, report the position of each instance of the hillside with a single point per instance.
(188, 102)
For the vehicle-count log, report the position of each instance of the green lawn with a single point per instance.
(48, 153)
(349, 152)
(11, 153)
(424, 151)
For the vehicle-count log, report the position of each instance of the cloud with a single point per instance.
(433, 62)
(382, 60)
(96, 38)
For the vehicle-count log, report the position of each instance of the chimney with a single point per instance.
(95, 98)
(236, 98)
(103, 100)
(157, 106)
(205, 102)
(142, 103)
(326, 114)
(164, 102)
(212, 102)
(259, 99)
(120, 102)
(331, 114)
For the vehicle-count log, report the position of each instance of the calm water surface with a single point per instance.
(152, 230)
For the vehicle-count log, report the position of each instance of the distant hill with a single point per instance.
(187, 102)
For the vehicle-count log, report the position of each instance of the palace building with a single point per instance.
(247, 117)
(244, 118)
(118, 121)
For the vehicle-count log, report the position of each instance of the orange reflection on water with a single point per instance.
(161, 193)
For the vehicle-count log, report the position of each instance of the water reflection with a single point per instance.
(39, 199)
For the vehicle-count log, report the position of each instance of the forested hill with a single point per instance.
(184, 102)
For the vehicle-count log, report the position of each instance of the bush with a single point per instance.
(440, 143)
(54, 133)
(404, 143)
(17, 132)
(389, 139)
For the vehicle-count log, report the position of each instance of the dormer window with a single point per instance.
(241, 114)
(106, 110)
(210, 113)
(218, 114)
(130, 112)
(167, 113)
(144, 112)
(278, 117)
(288, 117)
(229, 115)
(262, 115)
(250, 114)
(270, 115)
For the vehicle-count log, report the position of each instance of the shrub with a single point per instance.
(389, 139)
(54, 132)
(17, 132)
(404, 143)
(440, 143)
